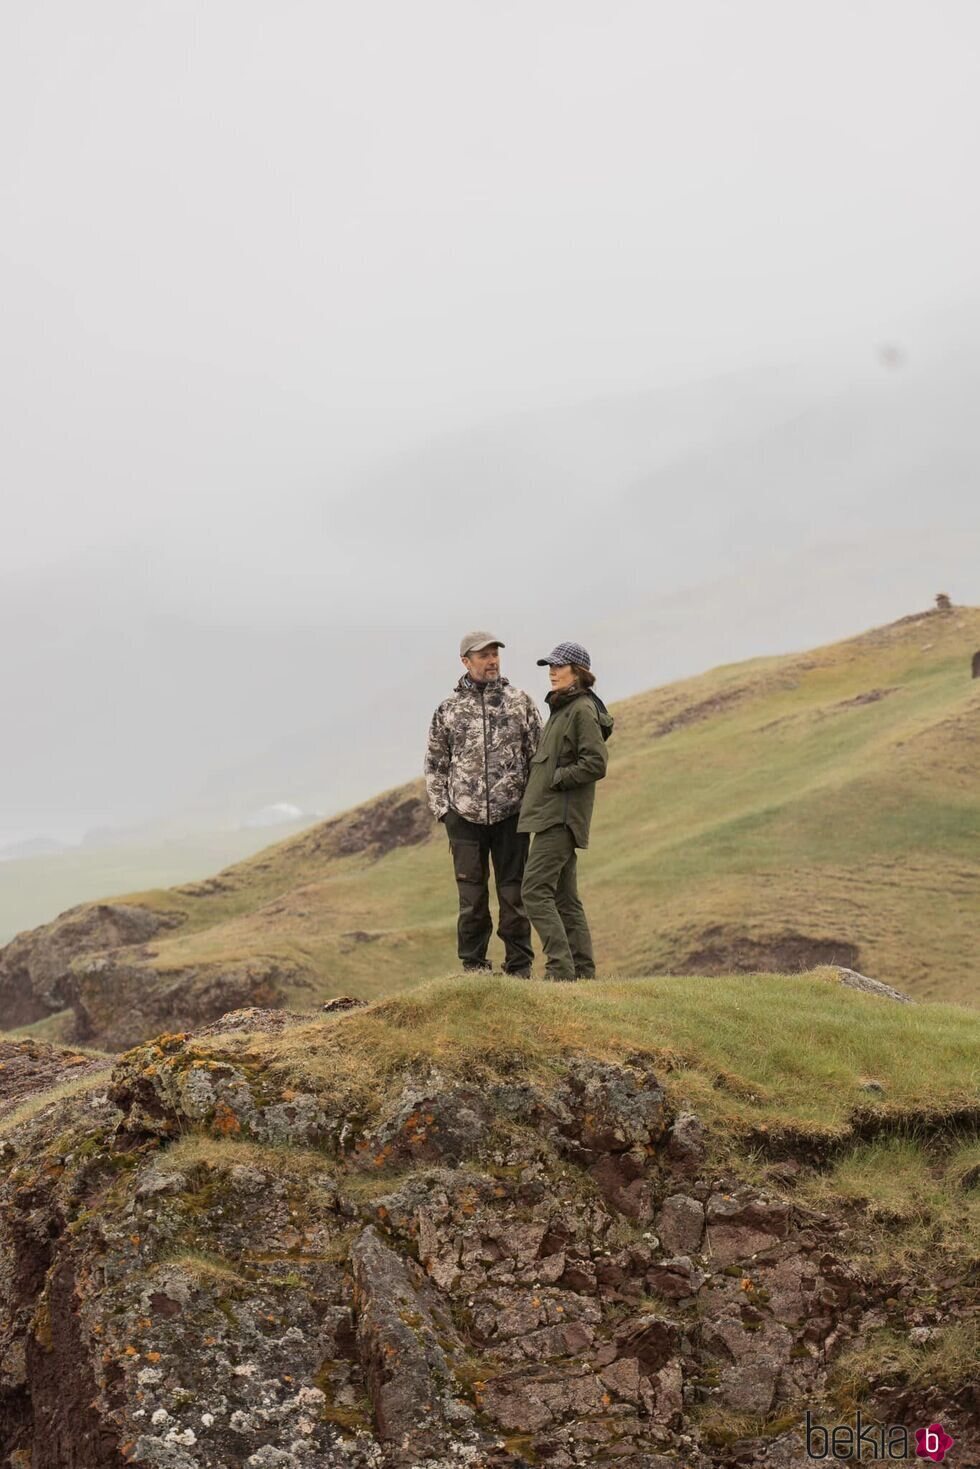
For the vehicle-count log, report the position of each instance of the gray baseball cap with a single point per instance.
(474, 641)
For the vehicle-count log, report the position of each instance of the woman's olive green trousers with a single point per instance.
(551, 901)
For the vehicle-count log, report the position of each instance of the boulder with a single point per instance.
(855, 981)
(680, 1224)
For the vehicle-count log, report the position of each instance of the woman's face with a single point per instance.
(562, 678)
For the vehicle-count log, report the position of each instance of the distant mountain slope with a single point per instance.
(771, 815)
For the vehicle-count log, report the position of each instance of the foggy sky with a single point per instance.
(268, 273)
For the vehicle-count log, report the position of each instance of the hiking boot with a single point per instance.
(518, 973)
(477, 968)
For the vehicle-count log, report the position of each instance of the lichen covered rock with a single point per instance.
(219, 1260)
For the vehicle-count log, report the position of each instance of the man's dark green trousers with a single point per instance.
(473, 847)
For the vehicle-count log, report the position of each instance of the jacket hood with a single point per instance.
(606, 720)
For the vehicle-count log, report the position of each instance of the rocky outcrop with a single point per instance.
(94, 969)
(35, 967)
(219, 1259)
(119, 1000)
(95, 963)
(398, 818)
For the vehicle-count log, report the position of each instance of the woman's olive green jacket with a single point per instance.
(570, 758)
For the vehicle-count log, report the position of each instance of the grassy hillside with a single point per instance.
(771, 815)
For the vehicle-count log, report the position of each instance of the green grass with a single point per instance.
(788, 809)
(906, 1197)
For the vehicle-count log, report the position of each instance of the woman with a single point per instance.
(557, 807)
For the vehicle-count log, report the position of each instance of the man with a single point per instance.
(481, 742)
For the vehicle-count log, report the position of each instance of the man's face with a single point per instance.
(483, 664)
(562, 677)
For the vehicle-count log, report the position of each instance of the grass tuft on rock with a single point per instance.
(947, 1360)
(75, 1086)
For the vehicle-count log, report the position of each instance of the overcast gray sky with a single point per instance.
(257, 259)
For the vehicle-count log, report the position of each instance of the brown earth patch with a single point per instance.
(870, 696)
(724, 950)
(703, 709)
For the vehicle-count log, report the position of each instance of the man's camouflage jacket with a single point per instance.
(481, 742)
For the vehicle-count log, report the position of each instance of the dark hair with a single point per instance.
(586, 679)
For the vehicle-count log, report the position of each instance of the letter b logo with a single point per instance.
(932, 1443)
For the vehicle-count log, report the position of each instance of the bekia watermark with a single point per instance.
(861, 1440)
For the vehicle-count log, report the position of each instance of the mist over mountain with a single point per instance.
(668, 530)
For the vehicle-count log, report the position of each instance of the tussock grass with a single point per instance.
(204, 1265)
(947, 1360)
(895, 1178)
(964, 1161)
(907, 1196)
(213, 1153)
(720, 1427)
(758, 1050)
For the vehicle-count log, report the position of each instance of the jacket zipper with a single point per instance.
(486, 753)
